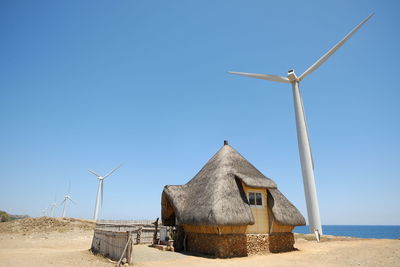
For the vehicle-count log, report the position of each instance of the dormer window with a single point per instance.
(255, 199)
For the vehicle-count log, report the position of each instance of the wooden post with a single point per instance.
(184, 243)
(129, 252)
(123, 252)
(139, 234)
(130, 260)
(155, 232)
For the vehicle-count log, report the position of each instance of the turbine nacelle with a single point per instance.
(292, 76)
(68, 197)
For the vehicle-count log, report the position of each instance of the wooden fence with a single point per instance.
(111, 237)
(133, 226)
(112, 244)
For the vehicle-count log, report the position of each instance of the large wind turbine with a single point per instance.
(307, 164)
(66, 198)
(100, 190)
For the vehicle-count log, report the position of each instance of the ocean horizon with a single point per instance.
(361, 231)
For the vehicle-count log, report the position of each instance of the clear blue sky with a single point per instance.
(92, 84)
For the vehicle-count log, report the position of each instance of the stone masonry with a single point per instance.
(238, 245)
(281, 242)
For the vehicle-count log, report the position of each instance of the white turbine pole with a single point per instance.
(99, 196)
(53, 207)
(64, 208)
(310, 191)
(306, 160)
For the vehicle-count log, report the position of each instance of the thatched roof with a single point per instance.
(215, 195)
(283, 210)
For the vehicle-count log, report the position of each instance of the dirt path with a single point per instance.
(331, 253)
(54, 249)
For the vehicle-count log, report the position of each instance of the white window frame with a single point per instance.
(256, 192)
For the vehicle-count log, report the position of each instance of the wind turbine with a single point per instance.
(100, 190)
(44, 211)
(307, 164)
(66, 197)
(53, 206)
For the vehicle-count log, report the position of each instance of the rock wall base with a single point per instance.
(238, 245)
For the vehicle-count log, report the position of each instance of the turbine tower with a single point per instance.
(100, 190)
(66, 198)
(306, 160)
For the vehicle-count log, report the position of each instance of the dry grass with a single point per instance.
(45, 225)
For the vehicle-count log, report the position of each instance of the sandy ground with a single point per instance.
(68, 245)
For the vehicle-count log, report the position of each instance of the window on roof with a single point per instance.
(255, 199)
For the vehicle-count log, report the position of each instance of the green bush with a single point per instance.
(4, 216)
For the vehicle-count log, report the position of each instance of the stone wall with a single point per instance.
(257, 244)
(221, 246)
(237, 245)
(281, 242)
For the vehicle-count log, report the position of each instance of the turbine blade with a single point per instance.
(94, 173)
(113, 170)
(71, 199)
(333, 49)
(274, 78)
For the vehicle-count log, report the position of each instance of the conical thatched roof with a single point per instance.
(215, 196)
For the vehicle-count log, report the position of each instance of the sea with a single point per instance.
(362, 231)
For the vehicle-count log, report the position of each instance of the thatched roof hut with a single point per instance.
(218, 198)
(213, 196)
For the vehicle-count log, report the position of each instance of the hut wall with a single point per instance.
(279, 228)
(260, 214)
(214, 229)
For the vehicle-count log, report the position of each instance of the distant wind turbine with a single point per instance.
(66, 198)
(307, 164)
(53, 206)
(100, 190)
(44, 211)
